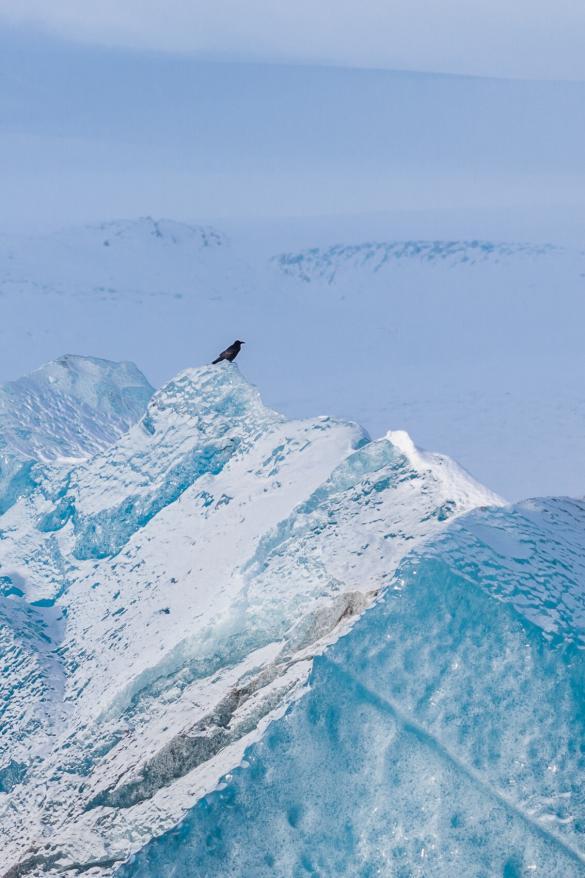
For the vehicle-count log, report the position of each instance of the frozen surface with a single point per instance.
(162, 602)
(72, 407)
(443, 735)
(66, 410)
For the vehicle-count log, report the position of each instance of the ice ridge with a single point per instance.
(442, 735)
(164, 599)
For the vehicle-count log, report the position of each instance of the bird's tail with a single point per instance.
(219, 359)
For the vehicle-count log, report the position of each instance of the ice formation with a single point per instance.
(239, 644)
(442, 736)
(67, 410)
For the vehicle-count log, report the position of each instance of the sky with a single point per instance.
(89, 133)
(525, 38)
(219, 112)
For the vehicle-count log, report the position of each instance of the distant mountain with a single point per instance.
(326, 263)
(118, 258)
(124, 232)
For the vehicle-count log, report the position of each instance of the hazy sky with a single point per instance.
(517, 38)
(88, 133)
(97, 122)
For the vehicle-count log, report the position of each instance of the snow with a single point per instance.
(165, 597)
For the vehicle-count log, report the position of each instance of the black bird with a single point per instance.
(230, 353)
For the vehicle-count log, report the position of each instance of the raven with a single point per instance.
(230, 353)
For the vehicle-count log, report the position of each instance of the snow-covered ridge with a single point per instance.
(117, 257)
(161, 232)
(162, 602)
(325, 263)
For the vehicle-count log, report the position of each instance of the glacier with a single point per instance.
(235, 643)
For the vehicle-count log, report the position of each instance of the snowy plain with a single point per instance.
(473, 345)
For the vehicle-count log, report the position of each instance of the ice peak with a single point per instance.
(91, 379)
(401, 439)
(70, 407)
(66, 410)
(183, 578)
(215, 400)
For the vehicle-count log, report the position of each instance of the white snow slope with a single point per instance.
(162, 601)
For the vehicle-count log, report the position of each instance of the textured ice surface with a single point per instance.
(72, 407)
(68, 409)
(164, 599)
(442, 736)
